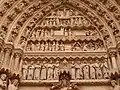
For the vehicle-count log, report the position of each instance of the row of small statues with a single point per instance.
(55, 46)
(58, 21)
(65, 17)
(61, 46)
(40, 33)
(50, 71)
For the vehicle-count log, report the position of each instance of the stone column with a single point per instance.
(18, 55)
(113, 58)
(7, 51)
(118, 56)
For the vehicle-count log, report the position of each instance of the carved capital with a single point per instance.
(118, 47)
(18, 52)
(112, 51)
(8, 47)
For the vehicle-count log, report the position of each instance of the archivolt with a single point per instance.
(23, 19)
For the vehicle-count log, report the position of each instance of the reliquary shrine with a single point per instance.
(59, 44)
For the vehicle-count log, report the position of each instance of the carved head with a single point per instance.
(38, 62)
(3, 77)
(114, 83)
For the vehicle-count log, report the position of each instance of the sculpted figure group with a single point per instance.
(79, 70)
(7, 84)
(63, 46)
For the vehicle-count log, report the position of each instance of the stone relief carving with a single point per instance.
(3, 82)
(13, 85)
(79, 70)
(64, 46)
(115, 85)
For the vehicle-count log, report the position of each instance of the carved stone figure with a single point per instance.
(3, 83)
(86, 70)
(54, 46)
(13, 85)
(37, 46)
(24, 70)
(77, 67)
(37, 34)
(98, 70)
(62, 46)
(42, 33)
(43, 71)
(31, 71)
(37, 71)
(42, 46)
(32, 46)
(115, 85)
(56, 70)
(50, 70)
(57, 46)
(46, 46)
(92, 70)
(104, 67)
(73, 70)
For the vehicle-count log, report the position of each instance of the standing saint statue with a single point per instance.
(56, 71)
(57, 46)
(98, 70)
(31, 71)
(104, 67)
(77, 67)
(73, 70)
(42, 48)
(54, 46)
(37, 71)
(24, 70)
(92, 70)
(3, 83)
(50, 70)
(86, 70)
(46, 46)
(43, 75)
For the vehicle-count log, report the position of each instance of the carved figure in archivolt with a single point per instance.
(86, 70)
(31, 71)
(3, 83)
(37, 71)
(50, 70)
(56, 70)
(24, 70)
(43, 71)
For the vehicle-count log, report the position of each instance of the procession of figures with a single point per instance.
(65, 46)
(65, 16)
(49, 70)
